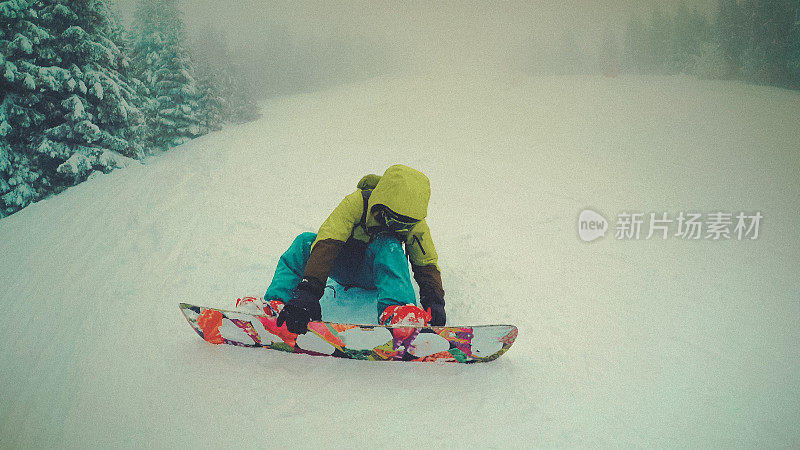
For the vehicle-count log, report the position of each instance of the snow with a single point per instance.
(74, 105)
(22, 43)
(97, 90)
(10, 72)
(78, 163)
(622, 343)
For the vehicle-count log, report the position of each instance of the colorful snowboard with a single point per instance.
(370, 342)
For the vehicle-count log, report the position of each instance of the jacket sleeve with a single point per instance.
(429, 280)
(425, 263)
(332, 235)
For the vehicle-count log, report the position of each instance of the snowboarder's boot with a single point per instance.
(404, 315)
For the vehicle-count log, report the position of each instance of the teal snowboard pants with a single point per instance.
(383, 266)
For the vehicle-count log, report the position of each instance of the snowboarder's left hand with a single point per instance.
(303, 307)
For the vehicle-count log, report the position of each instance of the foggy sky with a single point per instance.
(418, 33)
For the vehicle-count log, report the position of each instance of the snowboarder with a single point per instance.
(361, 244)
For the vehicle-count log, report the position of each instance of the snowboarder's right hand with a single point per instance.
(303, 307)
(434, 305)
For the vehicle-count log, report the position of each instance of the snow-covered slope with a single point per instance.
(622, 342)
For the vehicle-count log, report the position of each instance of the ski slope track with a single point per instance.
(622, 342)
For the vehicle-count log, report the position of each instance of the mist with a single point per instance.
(286, 47)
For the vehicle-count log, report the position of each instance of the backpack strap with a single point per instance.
(366, 184)
(365, 193)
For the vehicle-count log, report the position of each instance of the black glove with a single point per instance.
(435, 305)
(303, 306)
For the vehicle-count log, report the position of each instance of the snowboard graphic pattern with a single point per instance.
(367, 342)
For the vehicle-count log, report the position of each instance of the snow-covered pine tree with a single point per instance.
(174, 113)
(238, 94)
(207, 48)
(214, 106)
(94, 122)
(21, 106)
(691, 29)
(65, 108)
(730, 35)
(633, 53)
(122, 37)
(769, 25)
(794, 58)
(226, 96)
(656, 42)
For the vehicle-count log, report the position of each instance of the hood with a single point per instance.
(404, 190)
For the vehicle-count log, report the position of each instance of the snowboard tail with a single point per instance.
(473, 344)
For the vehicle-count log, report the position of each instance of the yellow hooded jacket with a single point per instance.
(405, 191)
